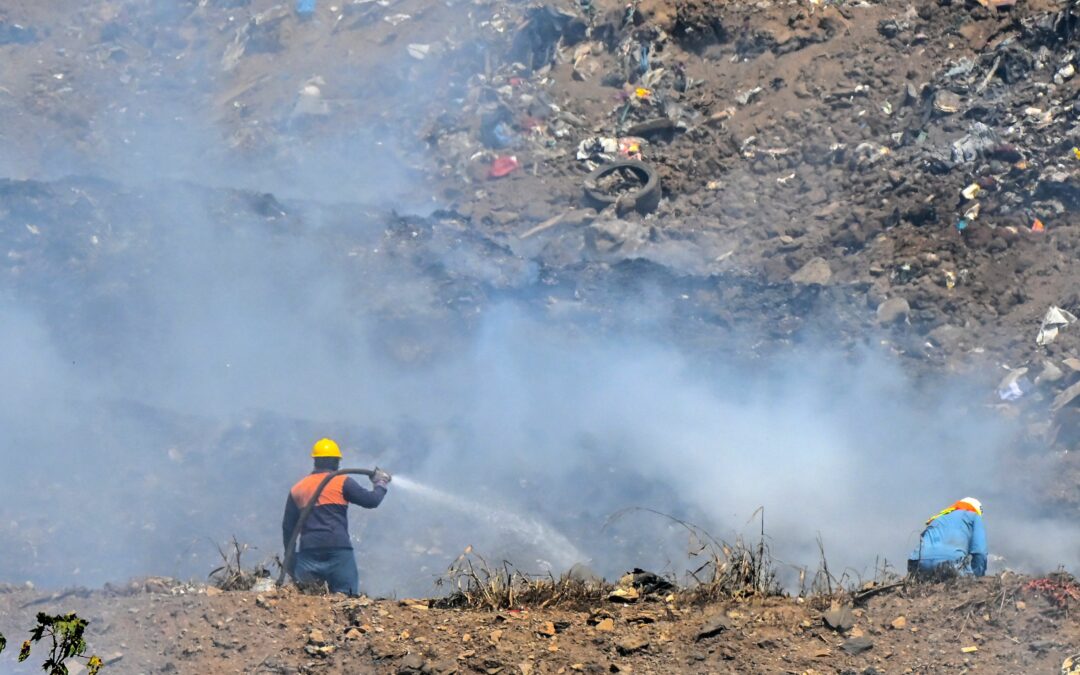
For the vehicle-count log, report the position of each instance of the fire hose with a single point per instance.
(290, 548)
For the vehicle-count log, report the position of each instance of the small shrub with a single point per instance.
(65, 632)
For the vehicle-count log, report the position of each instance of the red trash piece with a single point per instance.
(503, 166)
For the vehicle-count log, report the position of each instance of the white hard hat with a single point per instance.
(974, 502)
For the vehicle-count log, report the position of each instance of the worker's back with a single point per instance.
(328, 524)
(953, 537)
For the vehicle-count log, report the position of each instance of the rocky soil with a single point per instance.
(989, 625)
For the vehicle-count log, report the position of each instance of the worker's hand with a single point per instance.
(380, 478)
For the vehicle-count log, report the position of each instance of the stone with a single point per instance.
(857, 645)
(316, 637)
(606, 625)
(946, 102)
(839, 617)
(893, 311)
(816, 271)
(1050, 373)
(631, 645)
(899, 622)
(624, 594)
(713, 626)
(412, 663)
(547, 629)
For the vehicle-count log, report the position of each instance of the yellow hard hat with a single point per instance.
(325, 447)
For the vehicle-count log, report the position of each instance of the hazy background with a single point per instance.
(170, 353)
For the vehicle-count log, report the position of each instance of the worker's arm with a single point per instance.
(978, 547)
(369, 499)
(288, 522)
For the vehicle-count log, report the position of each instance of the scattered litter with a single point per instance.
(602, 148)
(971, 191)
(1038, 226)
(947, 102)
(1014, 385)
(309, 100)
(419, 51)
(747, 97)
(642, 92)
(503, 166)
(1054, 320)
(397, 19)
(969, 650)
(1039, 116)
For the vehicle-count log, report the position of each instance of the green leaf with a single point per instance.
(24, 653)
(3, 642)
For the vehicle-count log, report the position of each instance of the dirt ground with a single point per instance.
(983, 626)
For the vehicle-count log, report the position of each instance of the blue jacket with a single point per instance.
(950, 539)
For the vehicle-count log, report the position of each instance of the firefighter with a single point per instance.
(326, 553)
(954, 542)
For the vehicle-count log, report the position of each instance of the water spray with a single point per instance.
(533, 530)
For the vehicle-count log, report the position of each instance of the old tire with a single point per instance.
(644, 199)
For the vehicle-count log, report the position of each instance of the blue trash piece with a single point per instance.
(305, 6)
(504, 135)
(961, 225)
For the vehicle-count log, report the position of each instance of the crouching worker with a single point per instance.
(326, 553)
(953, 543)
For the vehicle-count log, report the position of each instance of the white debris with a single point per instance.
(1054, 320)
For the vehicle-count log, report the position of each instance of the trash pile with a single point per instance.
(886, 174)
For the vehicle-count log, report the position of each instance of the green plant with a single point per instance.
(66, 634)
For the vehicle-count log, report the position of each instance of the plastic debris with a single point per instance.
(642, 92)
(606, 148)
(947, 102)
(1038, 226)
(1055, 319)
(971, 191)
(503, 166)
(630, 147)
(1014, 385)
(419, 51)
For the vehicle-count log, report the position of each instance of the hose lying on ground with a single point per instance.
(290, 549)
